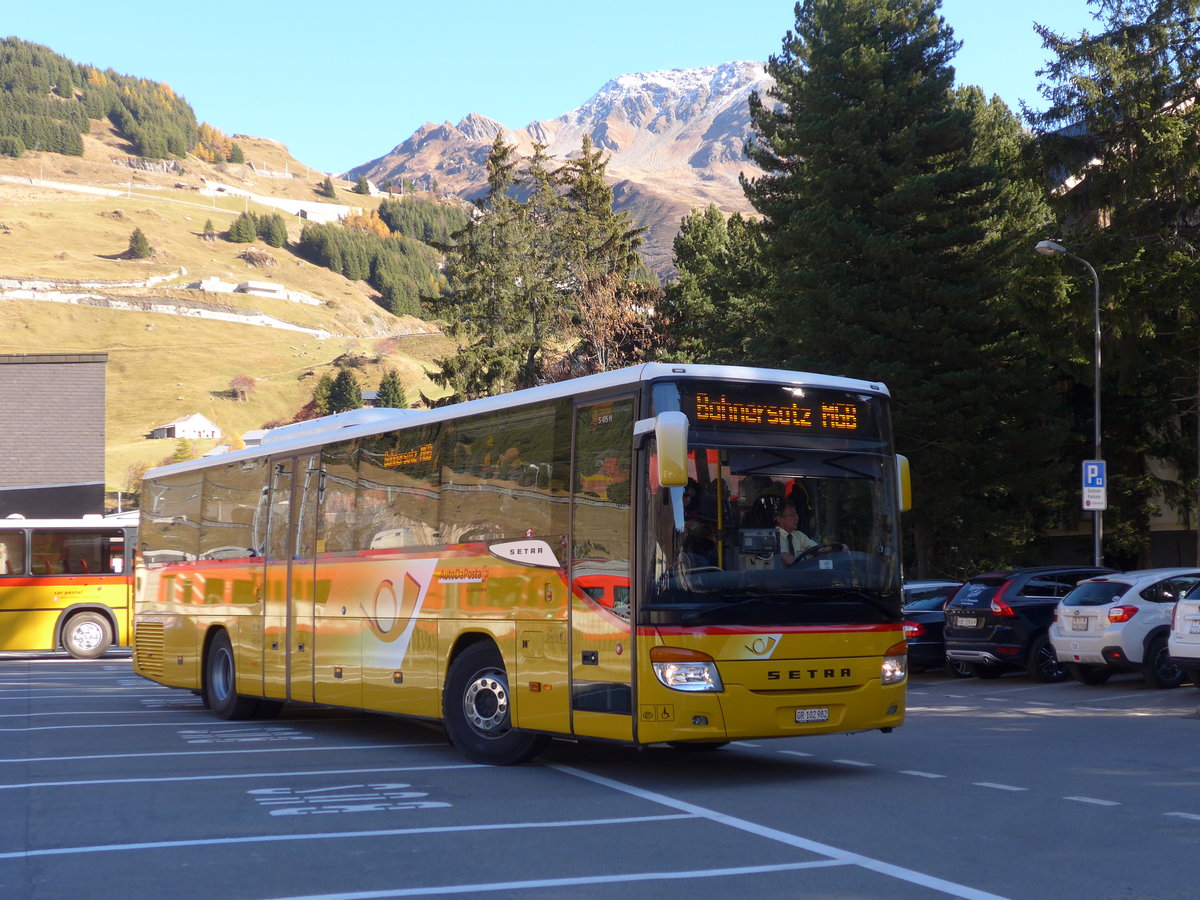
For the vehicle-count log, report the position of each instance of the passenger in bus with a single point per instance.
(691, 499)
(699, 541)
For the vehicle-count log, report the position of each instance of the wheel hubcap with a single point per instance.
(222, 675)
(485, 703)
(87, 635)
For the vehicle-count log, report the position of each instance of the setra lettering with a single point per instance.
(807, 674)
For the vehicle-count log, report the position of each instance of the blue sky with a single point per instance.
(343, 83)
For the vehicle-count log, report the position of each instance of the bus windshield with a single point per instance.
(774, 536)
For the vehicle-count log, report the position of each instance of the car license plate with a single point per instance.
(1079, 623)
(966, 621)
(813, 714)
(1194, 626)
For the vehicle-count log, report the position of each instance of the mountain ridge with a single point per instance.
(675, 140)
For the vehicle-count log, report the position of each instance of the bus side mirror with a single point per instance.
(904, 483)
(670, 433)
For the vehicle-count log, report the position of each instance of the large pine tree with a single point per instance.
(889, 253)
(1121, 129)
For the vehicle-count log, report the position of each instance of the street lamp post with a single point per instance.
(1050, 248)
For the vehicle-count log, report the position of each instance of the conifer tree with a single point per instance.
(1122, 120)
(882, 225)
(326, 188)
(236, 155)
(485, 270)
(322, 394)
(139, 246)
(713, 310)
(361, 186)
(345, 393)
(391, 391)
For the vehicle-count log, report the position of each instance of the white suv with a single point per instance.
(1184, 643)
(1121, 622)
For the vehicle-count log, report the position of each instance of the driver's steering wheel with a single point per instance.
(819, 548)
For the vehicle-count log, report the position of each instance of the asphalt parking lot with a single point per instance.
(115, 786)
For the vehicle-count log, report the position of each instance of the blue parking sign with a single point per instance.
(1095, 485)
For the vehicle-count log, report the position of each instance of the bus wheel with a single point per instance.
(87, 635)
(220, 681)
(477, 712)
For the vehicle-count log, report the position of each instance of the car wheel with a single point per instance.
(1157, 668)
(476, 710)
(1043, 662)
(959, 669)
(1089, 674)
(979, 670)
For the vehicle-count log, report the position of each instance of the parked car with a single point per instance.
(1117, 623)
(999, 621)
(924, 620)
(1183, 644)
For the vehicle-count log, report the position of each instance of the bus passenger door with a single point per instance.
(602, 652)
(302, 581)
(288, 580)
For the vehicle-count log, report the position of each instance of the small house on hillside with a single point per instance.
(192, 427)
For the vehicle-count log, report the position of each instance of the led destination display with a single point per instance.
(780, 408)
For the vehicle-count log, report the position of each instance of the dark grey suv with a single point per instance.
(1000, 620)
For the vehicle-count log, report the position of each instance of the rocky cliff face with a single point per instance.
(675, 140)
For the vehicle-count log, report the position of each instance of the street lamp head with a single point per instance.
(1049, 248)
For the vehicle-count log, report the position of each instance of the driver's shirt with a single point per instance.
(794, 542)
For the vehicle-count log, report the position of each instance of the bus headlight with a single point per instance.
(685, 670)
(895, 664)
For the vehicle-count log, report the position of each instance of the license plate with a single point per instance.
(1194, 626)
(1079, 623)
(966, 621)
(813, 714)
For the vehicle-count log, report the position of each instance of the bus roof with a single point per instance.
(127, 519)
(356, 423)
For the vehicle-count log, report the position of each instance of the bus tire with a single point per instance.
(477, 712)
(220, 681)
(87, 635)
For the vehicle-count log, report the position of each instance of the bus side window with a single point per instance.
(12, 554)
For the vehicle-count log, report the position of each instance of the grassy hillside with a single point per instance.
(165, 366)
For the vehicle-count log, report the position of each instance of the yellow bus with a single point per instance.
(530, 565)
(66, 583)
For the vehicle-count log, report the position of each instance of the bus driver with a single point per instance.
(792, 541)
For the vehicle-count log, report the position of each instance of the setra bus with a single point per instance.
(595, 558)
(66, 583)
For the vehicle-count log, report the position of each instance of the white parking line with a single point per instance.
(998, 787)
(332, 835)
(569, 882)
(223, 750)
(854, 762)
(1093, 801)
(1183, 815)
(920, 774)
(893, 871)
(231, 777)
